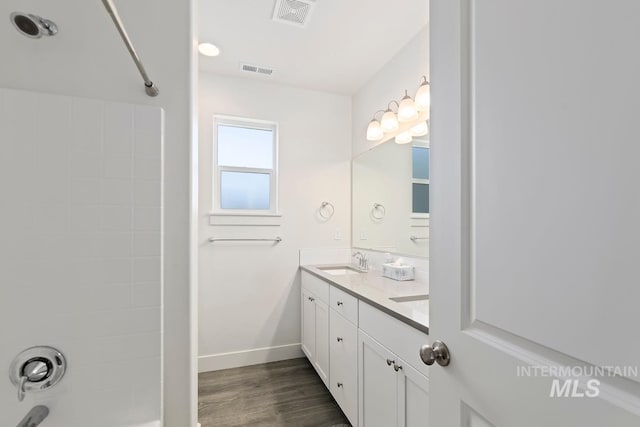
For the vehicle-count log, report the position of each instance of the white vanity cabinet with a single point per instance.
(368, 359)
(315, 324)
(391, 392)
(393, 386)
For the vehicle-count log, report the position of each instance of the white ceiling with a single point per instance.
(344, 44)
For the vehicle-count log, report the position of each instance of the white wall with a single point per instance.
(402, 72)
(81, 254)
(88, 59)
(249, 294)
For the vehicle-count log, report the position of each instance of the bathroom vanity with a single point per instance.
(363, 333)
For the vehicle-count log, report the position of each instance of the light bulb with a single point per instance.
(389, 121)
(374, 131)
(407, 109)
(403, 138)
(208, 49)
(423, 96)
(420, 129)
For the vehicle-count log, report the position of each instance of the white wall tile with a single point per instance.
(84, 218)
(146, 244)
(117, 167)
(146, 217)
(116, 192)
(84, 165)
(146, 295)
(118, 129)
(68, 246)
(84, 192)
(148, 132)
(87, 125)
(146, 269)
(146, 193)
(116, 218)
(147, 168)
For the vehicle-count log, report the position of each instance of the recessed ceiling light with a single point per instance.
(208, 49)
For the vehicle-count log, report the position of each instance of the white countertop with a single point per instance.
(376, 290)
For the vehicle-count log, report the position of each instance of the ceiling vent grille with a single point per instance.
(256, 69)
(294, 12)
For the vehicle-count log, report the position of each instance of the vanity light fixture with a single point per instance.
(403, 138)
(409, 119)
(423, 96)
(407, 110)
(389, 120)
(421, 129)
(374, 130)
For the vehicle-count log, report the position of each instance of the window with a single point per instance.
(245, 166)
(420, 178)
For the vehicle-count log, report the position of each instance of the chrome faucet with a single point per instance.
(36, 415)
(363, 263)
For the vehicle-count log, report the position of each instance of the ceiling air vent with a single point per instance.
(294, 12)
(249, 68)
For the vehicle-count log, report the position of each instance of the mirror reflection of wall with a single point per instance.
(395, 176)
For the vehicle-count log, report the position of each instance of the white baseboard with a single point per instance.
(236, 359)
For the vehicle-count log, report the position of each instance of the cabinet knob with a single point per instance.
(339, 384)
(389, 362)
(339, 339)
(312, 299)
(339, 303)
(396, 367)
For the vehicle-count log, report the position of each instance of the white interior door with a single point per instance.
(535, 209)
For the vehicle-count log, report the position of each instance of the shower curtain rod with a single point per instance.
(149, 87)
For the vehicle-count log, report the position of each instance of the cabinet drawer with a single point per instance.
(344, 365)
(344, 304)
(316, 286)
(397, 336)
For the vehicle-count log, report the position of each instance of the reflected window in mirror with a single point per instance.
(420, 178)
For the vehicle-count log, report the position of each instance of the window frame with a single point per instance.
(247, 123)
(420, 144)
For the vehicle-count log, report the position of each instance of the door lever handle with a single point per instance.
(438, 352)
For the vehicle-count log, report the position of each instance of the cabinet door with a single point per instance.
(378, 384)
(344, 364)
(321, 361)
(413, 397)
(308, 325)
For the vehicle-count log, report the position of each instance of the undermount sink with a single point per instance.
(340, 271)
(411, 298)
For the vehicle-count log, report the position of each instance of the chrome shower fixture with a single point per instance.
(33, 26)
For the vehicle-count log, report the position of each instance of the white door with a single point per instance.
(535, 212)
(378, 384)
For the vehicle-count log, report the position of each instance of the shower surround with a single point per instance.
(81, 254)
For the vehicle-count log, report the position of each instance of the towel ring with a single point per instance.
(326, 210)
(377, 207)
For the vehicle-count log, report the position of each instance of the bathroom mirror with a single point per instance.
(391, 198)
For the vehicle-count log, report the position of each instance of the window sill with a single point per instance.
(245, 219)
(419, 216)
(249, 214)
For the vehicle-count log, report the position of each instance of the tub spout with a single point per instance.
(36, 415)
